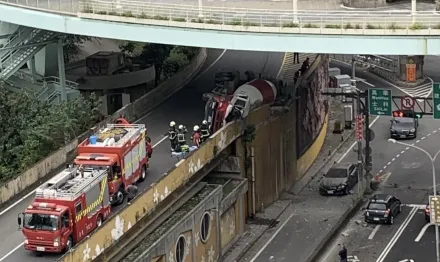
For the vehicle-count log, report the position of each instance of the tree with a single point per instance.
(156, 55)
(173, 63)
(71, 43)
(30, 129)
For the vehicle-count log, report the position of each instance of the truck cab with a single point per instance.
(47, 227)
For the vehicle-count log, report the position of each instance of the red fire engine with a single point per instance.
(66, 209)
(124, 149)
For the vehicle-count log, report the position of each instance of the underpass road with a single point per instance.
(185, 107)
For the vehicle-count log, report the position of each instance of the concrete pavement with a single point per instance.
(185, 107)
(407, 174)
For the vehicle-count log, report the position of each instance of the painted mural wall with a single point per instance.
(311, 106)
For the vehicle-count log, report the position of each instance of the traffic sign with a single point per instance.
(434, 204)
(380, 102)
(407, 102)
(436, 100)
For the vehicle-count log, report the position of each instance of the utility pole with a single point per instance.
(358, 123)
(368, 164)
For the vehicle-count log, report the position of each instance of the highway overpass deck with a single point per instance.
(321, 31)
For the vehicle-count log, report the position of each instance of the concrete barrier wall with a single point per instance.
(146, 203)
(132, 111)
(114, 81)
(307, 159)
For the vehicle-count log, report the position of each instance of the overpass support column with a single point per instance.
(61, 69)
(410, 68)
(33, 69)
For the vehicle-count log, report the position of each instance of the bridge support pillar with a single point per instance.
(61, 69)
(33, 69)
(411, 68)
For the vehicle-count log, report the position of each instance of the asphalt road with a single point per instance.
(185, 107)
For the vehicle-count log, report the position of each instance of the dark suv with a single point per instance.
(383, 208)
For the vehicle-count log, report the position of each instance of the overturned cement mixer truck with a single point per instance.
(230, 101)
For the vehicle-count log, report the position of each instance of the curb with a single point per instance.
(336, 229)
(246, 249)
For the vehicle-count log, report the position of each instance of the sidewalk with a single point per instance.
(307, 221)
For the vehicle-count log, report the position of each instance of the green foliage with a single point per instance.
(30, 129)
(71, 45)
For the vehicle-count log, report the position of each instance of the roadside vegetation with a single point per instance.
(31, 129)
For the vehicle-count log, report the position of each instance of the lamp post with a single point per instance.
(295, 11)
(200, 9)
(434, 185)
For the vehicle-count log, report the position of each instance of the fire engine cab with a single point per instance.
(66, 209)
(124, 150)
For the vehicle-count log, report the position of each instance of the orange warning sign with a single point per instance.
(410, 72)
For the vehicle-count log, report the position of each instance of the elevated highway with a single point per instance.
(157, 122)
(322, 31)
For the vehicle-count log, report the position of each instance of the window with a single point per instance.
(180, 249)
(205, 227)
(336, 173)
(78, 207)
(377, 206)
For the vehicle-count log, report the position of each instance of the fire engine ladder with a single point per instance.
(78, 185)
(20, 47)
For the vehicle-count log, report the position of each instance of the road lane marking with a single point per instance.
(355, 143)
(282, 65)
(403, 151)
(422, 232)
(389, 163)
(392, 160)
(397, 235)
(423, 138)
(419, 206)
(371, 236)
(398, 155)
(270, 239)
(10, 252)
(417, 141)
(407, 148)
(211, 65)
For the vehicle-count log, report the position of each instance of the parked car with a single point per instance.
(339, 180)
(383, 208)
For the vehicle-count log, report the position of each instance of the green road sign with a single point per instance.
(436, 100)
(380, 102)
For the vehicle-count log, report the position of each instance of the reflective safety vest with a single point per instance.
(181, 138)
(172, 134)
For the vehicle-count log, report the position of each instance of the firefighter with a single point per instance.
(204, 130)
(181, 135)
(172, 135)
(196, 136)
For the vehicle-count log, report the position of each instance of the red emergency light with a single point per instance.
(398, 114)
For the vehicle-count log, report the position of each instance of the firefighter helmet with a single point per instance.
(204, 122)
(172, 123)
(181, 127)
(196, 128)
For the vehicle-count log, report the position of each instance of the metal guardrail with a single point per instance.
(188, 15)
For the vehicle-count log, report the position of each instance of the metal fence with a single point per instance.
(392, 20)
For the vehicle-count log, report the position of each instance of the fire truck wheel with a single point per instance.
(69, 243)
(143, 173)
(99, 221)
(120, 196)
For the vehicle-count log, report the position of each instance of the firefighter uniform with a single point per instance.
(204, 131)
(172, 135)
(181, 136)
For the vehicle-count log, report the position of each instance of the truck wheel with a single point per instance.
(69, 243)
(120, 197)
(143, 174)
(99, 221)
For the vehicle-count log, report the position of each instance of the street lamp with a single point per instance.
(434, 185)
(200, 9)
(295, 11)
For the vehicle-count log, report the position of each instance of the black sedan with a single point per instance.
(403, 127)
(339, 180)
